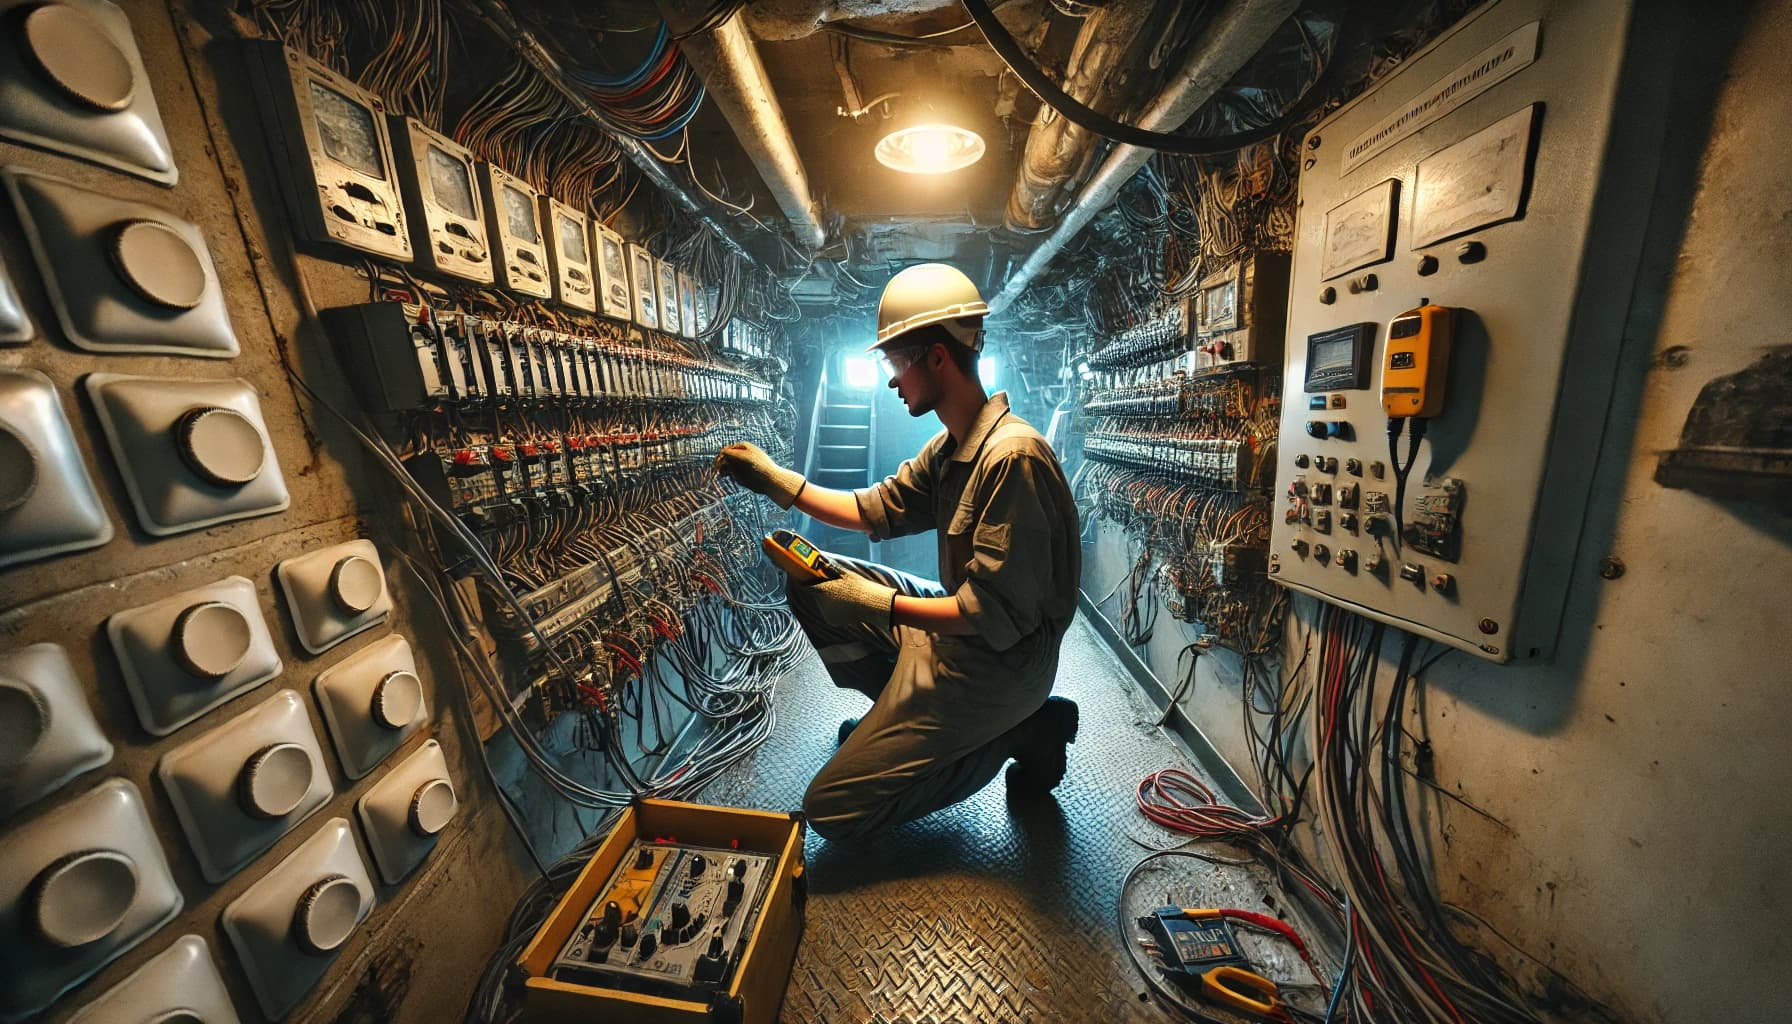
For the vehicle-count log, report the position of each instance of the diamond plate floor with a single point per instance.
(973, 913)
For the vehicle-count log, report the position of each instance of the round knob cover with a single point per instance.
(356, 584)
(327, 914)
(159, 264)
(275, 780)
(698, 864)
(211, 639)
(397, 699)
(221, 445)
(18, 469)
(24, 721)
(76, 54)
(432, 806)
(83, 896)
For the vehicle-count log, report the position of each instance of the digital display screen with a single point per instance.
(572, 238)
(1221, 302)
(519, 215)
(347, 131)
(449, 183)
(801, 550)
(1332, 354)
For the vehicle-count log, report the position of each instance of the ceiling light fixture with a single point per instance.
(930, 149)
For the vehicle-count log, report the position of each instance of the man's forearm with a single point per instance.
(933, 614)
(835, 508)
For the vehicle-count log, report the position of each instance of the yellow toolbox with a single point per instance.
(686, 914)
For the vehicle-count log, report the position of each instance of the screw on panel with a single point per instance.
(1489, 627)
(1610, 567)
(1427, 266)
(1328, 295)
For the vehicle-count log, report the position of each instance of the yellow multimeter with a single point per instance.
(797, 557)
(1418, 354)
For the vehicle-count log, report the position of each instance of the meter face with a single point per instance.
(519, 215)
(572, 239)
(347, 130)
(801, 550)
(449, 183)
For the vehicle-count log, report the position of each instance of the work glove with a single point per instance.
(852, 600)
(753, 469)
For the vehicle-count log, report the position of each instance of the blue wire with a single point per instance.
(682, 120)
(1349, 957)
(598, 79)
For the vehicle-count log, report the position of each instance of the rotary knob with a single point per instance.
(432, 806)
(159, 264)
(681, 914)
(24, 721)
(211, 639)
(75, 53)
(82, 897)
(18, 469)
(649, 943)
(275, 779)
(698, 865)
(327, 914)
(356, 584)
(221, 446)
(397, 699)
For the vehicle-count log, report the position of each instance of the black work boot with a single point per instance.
(846, 729)
(1039, 757)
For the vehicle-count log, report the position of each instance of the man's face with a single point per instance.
(912, 376)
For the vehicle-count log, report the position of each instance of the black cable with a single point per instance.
(1396, 424)
(1084, 116)
(716, 17)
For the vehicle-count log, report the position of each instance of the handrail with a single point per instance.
(809, 458)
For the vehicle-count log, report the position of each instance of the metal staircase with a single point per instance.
(840, 447)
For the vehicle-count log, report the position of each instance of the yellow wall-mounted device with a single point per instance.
(1418, 355)
(797, 557)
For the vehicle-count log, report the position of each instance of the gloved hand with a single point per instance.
(753, 469)
(852, 600)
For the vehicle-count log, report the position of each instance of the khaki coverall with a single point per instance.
(944, 706)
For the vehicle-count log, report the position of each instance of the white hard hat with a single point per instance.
(930, 293)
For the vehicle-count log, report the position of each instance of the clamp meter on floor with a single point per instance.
(797, 557)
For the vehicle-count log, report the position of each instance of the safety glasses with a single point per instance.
(897, 363)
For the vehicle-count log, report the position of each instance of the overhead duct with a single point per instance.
(1057, 150)
(728, 62)
(1232, 38)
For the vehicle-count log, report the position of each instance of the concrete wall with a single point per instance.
(1635, 790)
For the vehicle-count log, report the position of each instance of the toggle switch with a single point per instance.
(372, 702)
(189, 653)
(79, 885)
(290, 925)
(47, 732)
(403, 814)
(334, 593)
(48, 505)
(240, 787)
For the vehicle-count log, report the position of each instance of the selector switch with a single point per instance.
(328, 913)
(1414, 574)
(643, 859)
(404, 813)
(698, 865)
(73, 53)
(334, 593)
(1325, 463)
(222, 446)
(83, 897)
(432, 806)
(1347, 560)
(397, 699)
(356, 584)
(211, 639)
(275, 780)
(1322, 554)
(372, 702)
(159, 264)
(190, 652)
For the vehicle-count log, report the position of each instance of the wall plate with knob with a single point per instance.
(194, 453)
(81, 88)
(334, 593)
(404, 813)
(47, 732)
(180, 984)
(292, 923)
(240, 787)
(78, 886)
(189, 653)
(372, 702)
(123, 276)
(47, 502)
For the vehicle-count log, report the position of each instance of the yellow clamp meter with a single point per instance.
(797, 557)
(1412, 379)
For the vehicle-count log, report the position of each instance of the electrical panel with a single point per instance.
(1467, 232)
(440, 185)
(569, 255)
(520, 254)
(331, 153)
(611, 254)
(643, 279)
(1238, 314)
(81, 88)
(666, 279)
(687, 305)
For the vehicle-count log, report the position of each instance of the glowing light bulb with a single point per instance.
(930, 149)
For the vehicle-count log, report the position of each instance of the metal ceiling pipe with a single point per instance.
(530, 49)
(731, 70)
(1234, 37)
(1058, 150)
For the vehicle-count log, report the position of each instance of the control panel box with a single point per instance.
(519, 253)
(569, 255)
(331, 154)
(697, 929)
(1468, 234)
(611, 254)
(643, 278)
(1238, 315)
(441, 189)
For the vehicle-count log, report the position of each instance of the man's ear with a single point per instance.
(938, 357)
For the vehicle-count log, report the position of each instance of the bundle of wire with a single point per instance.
(652, 101)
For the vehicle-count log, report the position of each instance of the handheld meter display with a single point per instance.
(797, 557)
(1412, 379)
